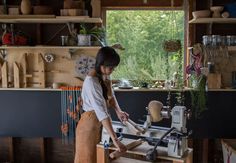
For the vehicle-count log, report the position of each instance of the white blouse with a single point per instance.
(93, 99)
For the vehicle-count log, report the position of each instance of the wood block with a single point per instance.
(64, 12)
(14, 11)
(2, 10)
(4, 75)
(42, 10)
(214, 81)
(96, 8)
(75, 12)
(68, 4)
(16, 75)
(78, 4)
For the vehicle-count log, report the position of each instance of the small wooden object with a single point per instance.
(74, 12)
(4, 75)
(117, 154)
(16, 75)
(13, 11)
(25, 7)
(68, 4)
(133, 127)
(42, 10)
(214, 81)
(2, 10)
(41, 69)
(96, 8)
(24, 70)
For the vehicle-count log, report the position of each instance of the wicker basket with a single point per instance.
(172, 45)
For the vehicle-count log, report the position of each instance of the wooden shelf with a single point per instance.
(212, 20)
(230, 48)
(50, 19)
(52, 47)
(29, 89)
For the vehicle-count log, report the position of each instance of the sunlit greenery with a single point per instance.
(141, 33)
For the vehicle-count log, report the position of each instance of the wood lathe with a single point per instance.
(173, 139)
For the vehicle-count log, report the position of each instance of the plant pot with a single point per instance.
(172, 45)
(84, 40)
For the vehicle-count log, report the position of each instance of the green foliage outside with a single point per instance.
(142, 33)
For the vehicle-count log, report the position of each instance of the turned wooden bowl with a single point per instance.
(217, 11)
(201, 14)
(217, 8)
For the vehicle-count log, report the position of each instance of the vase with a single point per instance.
(25, 7)
(84, 40)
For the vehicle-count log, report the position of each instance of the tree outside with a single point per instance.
(142, 33)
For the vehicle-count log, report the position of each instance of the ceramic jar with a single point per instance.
(25, 7)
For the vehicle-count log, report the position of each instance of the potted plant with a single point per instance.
(84, 38)
(85, 35)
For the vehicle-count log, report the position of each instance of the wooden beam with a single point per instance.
(141, 3)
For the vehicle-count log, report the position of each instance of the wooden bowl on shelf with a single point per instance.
(216, 11)
(201, 14)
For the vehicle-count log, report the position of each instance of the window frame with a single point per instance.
(186, 25)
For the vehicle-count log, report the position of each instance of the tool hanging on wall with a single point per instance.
(41, 68)
(70, 112)
(4, 71)
(16, 75)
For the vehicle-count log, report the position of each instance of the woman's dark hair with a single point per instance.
(106, 56)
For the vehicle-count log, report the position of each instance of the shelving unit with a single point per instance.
(210, 24)
(212, 20)
(230, 48)
(52, 47)
(50, 20)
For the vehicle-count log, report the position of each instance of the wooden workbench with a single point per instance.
(137, 155)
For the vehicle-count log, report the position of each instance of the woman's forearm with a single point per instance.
(114, 104)
(108, 126)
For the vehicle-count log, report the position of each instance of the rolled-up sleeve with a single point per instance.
(97, 100)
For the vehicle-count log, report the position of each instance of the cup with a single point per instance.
(234, 79)
(211, 67)
(64, 40)
(55, 85)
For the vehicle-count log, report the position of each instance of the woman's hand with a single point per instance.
(123, 116)
(120, 146)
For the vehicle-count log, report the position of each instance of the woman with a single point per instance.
(97, 94)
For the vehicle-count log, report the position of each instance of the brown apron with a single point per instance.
(88, 135)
